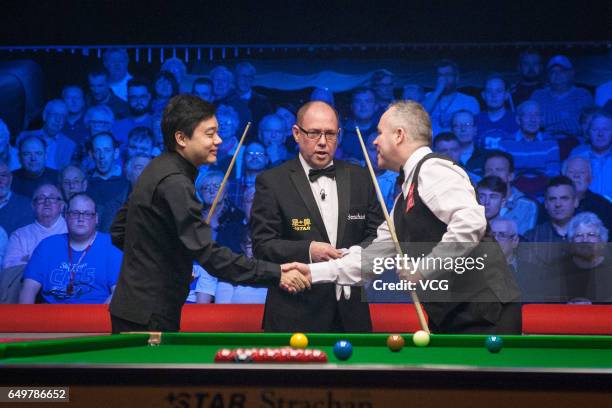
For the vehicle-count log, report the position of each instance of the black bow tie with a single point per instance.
(330, 172)
(401, 177)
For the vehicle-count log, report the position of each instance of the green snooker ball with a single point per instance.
(494, 344)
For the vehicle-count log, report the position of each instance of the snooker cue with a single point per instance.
(227, 173)
(398, 248)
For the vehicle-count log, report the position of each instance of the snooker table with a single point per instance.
(457, 370)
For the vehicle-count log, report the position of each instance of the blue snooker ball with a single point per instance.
(494, 344)
(343, 350)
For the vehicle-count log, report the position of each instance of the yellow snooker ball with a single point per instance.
(420, 338)
(299, 340)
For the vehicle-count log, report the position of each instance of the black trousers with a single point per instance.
(156, 323)
(480, 318)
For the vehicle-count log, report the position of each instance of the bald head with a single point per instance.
(316, 107)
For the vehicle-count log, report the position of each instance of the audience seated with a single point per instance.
(584, 275)
(48, 205)
(530, 76)
(14, 208)
(134, 167)
(100, 93)
(178, 69)
(517, 207)
(386, 178)
(165, 86)
(383, 85)
(8, 154)
(445, 100)
(59, 147)
(578, 169)
(79, 267)
(413, 92)
(364, 115)
(246, 99)
(227, 222)
(464, 127)
(598, 150)
(139, 101)
(74, 126)
(229, 123)
(106, 186)
(116, 61)
(534, 152)
(273, 135)
(323, 94)
(140, 141)
(33, 171)
(255, 161)
(491, 192)
(72, 181)
(495, 123)
(3, 245)
(553, 121)
(561, 101)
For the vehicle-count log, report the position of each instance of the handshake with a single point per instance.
(295, 277)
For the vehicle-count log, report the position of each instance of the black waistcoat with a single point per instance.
(419, 230)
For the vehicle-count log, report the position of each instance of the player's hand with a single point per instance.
(322, 251)
(294, 281)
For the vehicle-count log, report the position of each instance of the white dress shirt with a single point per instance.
(446, 190)
(328, 208)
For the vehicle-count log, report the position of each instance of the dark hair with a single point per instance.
(85, 196)
(445, 137)
(134, 82)
(183, 113)
(498, 153)
(31, 137)
(141, 133)
(560, 181)
(96, 71)
(94, 137)
(361, 90)
(496, 75)
(493, 183)
(201, 81)
(168, 76)
(529, 51)
(447, 63)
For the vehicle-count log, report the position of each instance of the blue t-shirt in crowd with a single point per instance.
(94, 276)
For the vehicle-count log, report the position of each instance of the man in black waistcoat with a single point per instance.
(303, 211)
(437, 214)
(161, 231)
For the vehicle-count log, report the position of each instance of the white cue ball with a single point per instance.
(420, 338)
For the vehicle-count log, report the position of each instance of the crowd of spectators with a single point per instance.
(538, 150)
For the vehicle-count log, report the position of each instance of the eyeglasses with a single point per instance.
(503, 236)
(463, 125)
(75, 182)
(88, 215)
(330, 136)
(211, 188)
(589, 236)
(256, 154)
(43, 199)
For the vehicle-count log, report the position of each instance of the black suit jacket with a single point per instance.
(284, 221)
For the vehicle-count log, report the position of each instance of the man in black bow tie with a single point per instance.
(307, 210)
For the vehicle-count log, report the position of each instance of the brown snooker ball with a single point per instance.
(395, 342)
